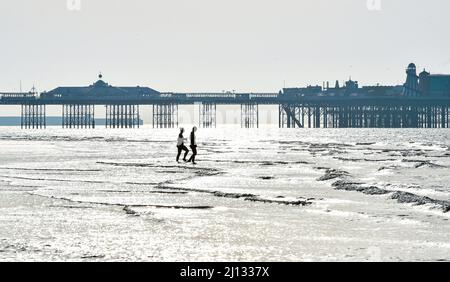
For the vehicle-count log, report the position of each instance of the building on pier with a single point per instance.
(303, 91)
(78, 109)
(434, 84)
(382, 90)
(100, 89)
(425, 84)
(411, 86)
(350, 88)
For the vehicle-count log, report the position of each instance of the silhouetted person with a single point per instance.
(181, 146)
(193, 145)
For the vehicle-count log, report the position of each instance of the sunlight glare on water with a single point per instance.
(256, 194)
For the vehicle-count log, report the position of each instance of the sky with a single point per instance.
(216, 45)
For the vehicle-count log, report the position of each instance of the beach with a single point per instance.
(264, 194)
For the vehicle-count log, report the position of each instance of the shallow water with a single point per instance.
(265, 195)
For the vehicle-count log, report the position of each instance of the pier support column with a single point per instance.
(429, 115)
(207, 115)
(317, 119)
(122, 116)
(325, 115)
(334, 117)
(443, 117)
(446, 116)
(249, 115)
(33, 116)
(165, 115)
(78, 116)
(290, 116)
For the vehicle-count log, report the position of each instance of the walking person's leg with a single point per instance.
(186, 153)
(194, 153)
(179, 152)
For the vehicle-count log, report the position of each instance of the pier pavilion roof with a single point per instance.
(101, 88)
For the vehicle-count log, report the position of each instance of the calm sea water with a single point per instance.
(258, 194)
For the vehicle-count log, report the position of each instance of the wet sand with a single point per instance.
(258, 195)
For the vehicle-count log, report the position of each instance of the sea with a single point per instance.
(264, 194)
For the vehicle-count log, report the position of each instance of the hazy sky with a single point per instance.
(215, 45)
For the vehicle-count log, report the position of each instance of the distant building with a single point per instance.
(350, 88)
(411, 86)
(434, 84)
(303, 91)
(100, 89)
(426, 84)
(381, 90)
(336, 86)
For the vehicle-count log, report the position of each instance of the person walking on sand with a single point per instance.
(180, 145)
(193, 145)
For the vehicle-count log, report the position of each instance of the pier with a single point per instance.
(415, 105)
(294, 112)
